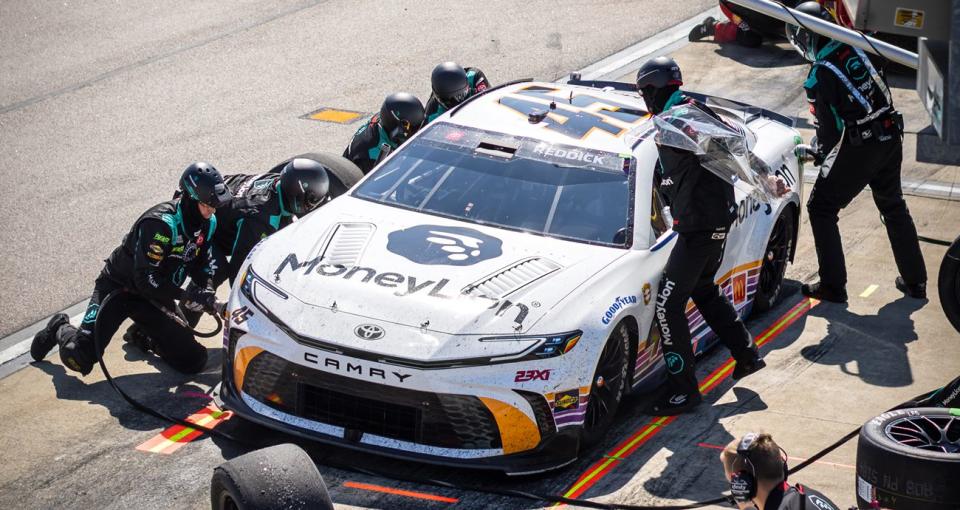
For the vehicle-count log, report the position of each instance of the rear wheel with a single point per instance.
(775, 260)
(949, 284)
(608, 386)
(274, 478)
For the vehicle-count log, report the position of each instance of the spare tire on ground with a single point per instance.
(343, 173)
(910, 459)
(274, 478)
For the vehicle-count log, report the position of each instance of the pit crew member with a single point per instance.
(756, 468)
(859, 138)
(744, 26)
(703, 207)
(167, 243)
(451, 85)
(401, 115)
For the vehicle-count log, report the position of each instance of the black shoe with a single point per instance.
(916, 290)
(672, 403)
(824, 293)
(705, 29)
(46, 338)
(750, 364)
(138, 338)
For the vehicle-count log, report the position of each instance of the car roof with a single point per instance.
(598, 119)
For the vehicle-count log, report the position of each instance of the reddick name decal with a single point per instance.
(442, 245)
(405, 285)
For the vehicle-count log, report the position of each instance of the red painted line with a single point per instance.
(623, 450)
(799, 459)
(399, 492)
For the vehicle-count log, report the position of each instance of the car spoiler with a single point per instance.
(747, 111)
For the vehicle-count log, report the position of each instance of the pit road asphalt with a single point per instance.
(102, 105)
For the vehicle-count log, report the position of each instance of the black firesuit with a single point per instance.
(255, 212)
(169, 242)
(369, 145)
(797, 497)
(478, 83)
(703, 206)
(854, 109)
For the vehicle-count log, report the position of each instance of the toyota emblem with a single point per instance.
(369, 332)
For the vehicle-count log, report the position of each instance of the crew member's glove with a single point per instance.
(202, 299)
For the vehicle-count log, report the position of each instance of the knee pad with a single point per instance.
(76, 357)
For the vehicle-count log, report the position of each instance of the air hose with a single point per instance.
(519, 494)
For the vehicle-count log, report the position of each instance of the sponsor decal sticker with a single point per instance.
(647, 293)
(155, 248)
(565, 400)
(406, 285)
(443, 245)
(821, 503)
(662, 298)
(91, 314)
(532, 375)
(160, 237)
(154, 256)
(674, 362)
(740, 288)
(619, 303)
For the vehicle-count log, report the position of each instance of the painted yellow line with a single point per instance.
(869, 290)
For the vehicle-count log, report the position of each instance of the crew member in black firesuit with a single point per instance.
(400, 117)
(756, 468)
(703, 206)
(452, 85)
(166, 244)
(859, 142)
(744, 26)
(263, 204)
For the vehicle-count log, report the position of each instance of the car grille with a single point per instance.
(442, 420)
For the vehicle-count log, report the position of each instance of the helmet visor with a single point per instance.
(455, 98)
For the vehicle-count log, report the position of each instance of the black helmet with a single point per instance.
(808, 43)
(203, 183)
(449, 83)
(657, 80)
(658, 73)
(401, 116)
(304, 184)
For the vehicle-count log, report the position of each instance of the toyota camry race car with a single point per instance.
(486, 296)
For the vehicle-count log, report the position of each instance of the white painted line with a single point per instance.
(870, 290)
(18, 344)
(664, 42)
(929, 189)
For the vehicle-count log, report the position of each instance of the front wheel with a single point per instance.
(775, 260)
(608, 386)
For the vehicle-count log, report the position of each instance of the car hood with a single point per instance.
(409, 268)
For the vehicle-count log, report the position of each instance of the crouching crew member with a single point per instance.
(263, 204)
(859, 137)
(166, 244)
(451, 85)
(400, 117)
(703, 207)
(756, 468)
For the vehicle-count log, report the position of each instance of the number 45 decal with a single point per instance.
(240, 315)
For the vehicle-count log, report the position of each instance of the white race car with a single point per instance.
(485, 297)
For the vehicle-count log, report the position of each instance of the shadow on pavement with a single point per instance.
(768, 56)
(877, 344)
(154, 389)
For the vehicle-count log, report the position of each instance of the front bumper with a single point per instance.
(445, 429)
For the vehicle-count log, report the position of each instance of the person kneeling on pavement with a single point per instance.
(756, 468)
(168, 242)
(703, 207)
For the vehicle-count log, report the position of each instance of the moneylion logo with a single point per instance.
(369, 332)
(442, 245)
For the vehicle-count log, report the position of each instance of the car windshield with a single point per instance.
(511, 182)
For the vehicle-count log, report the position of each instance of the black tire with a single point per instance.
(344, 173)
(274, 478)
(607, 387)
(899, 466)
(949, 284)
(775, 259)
